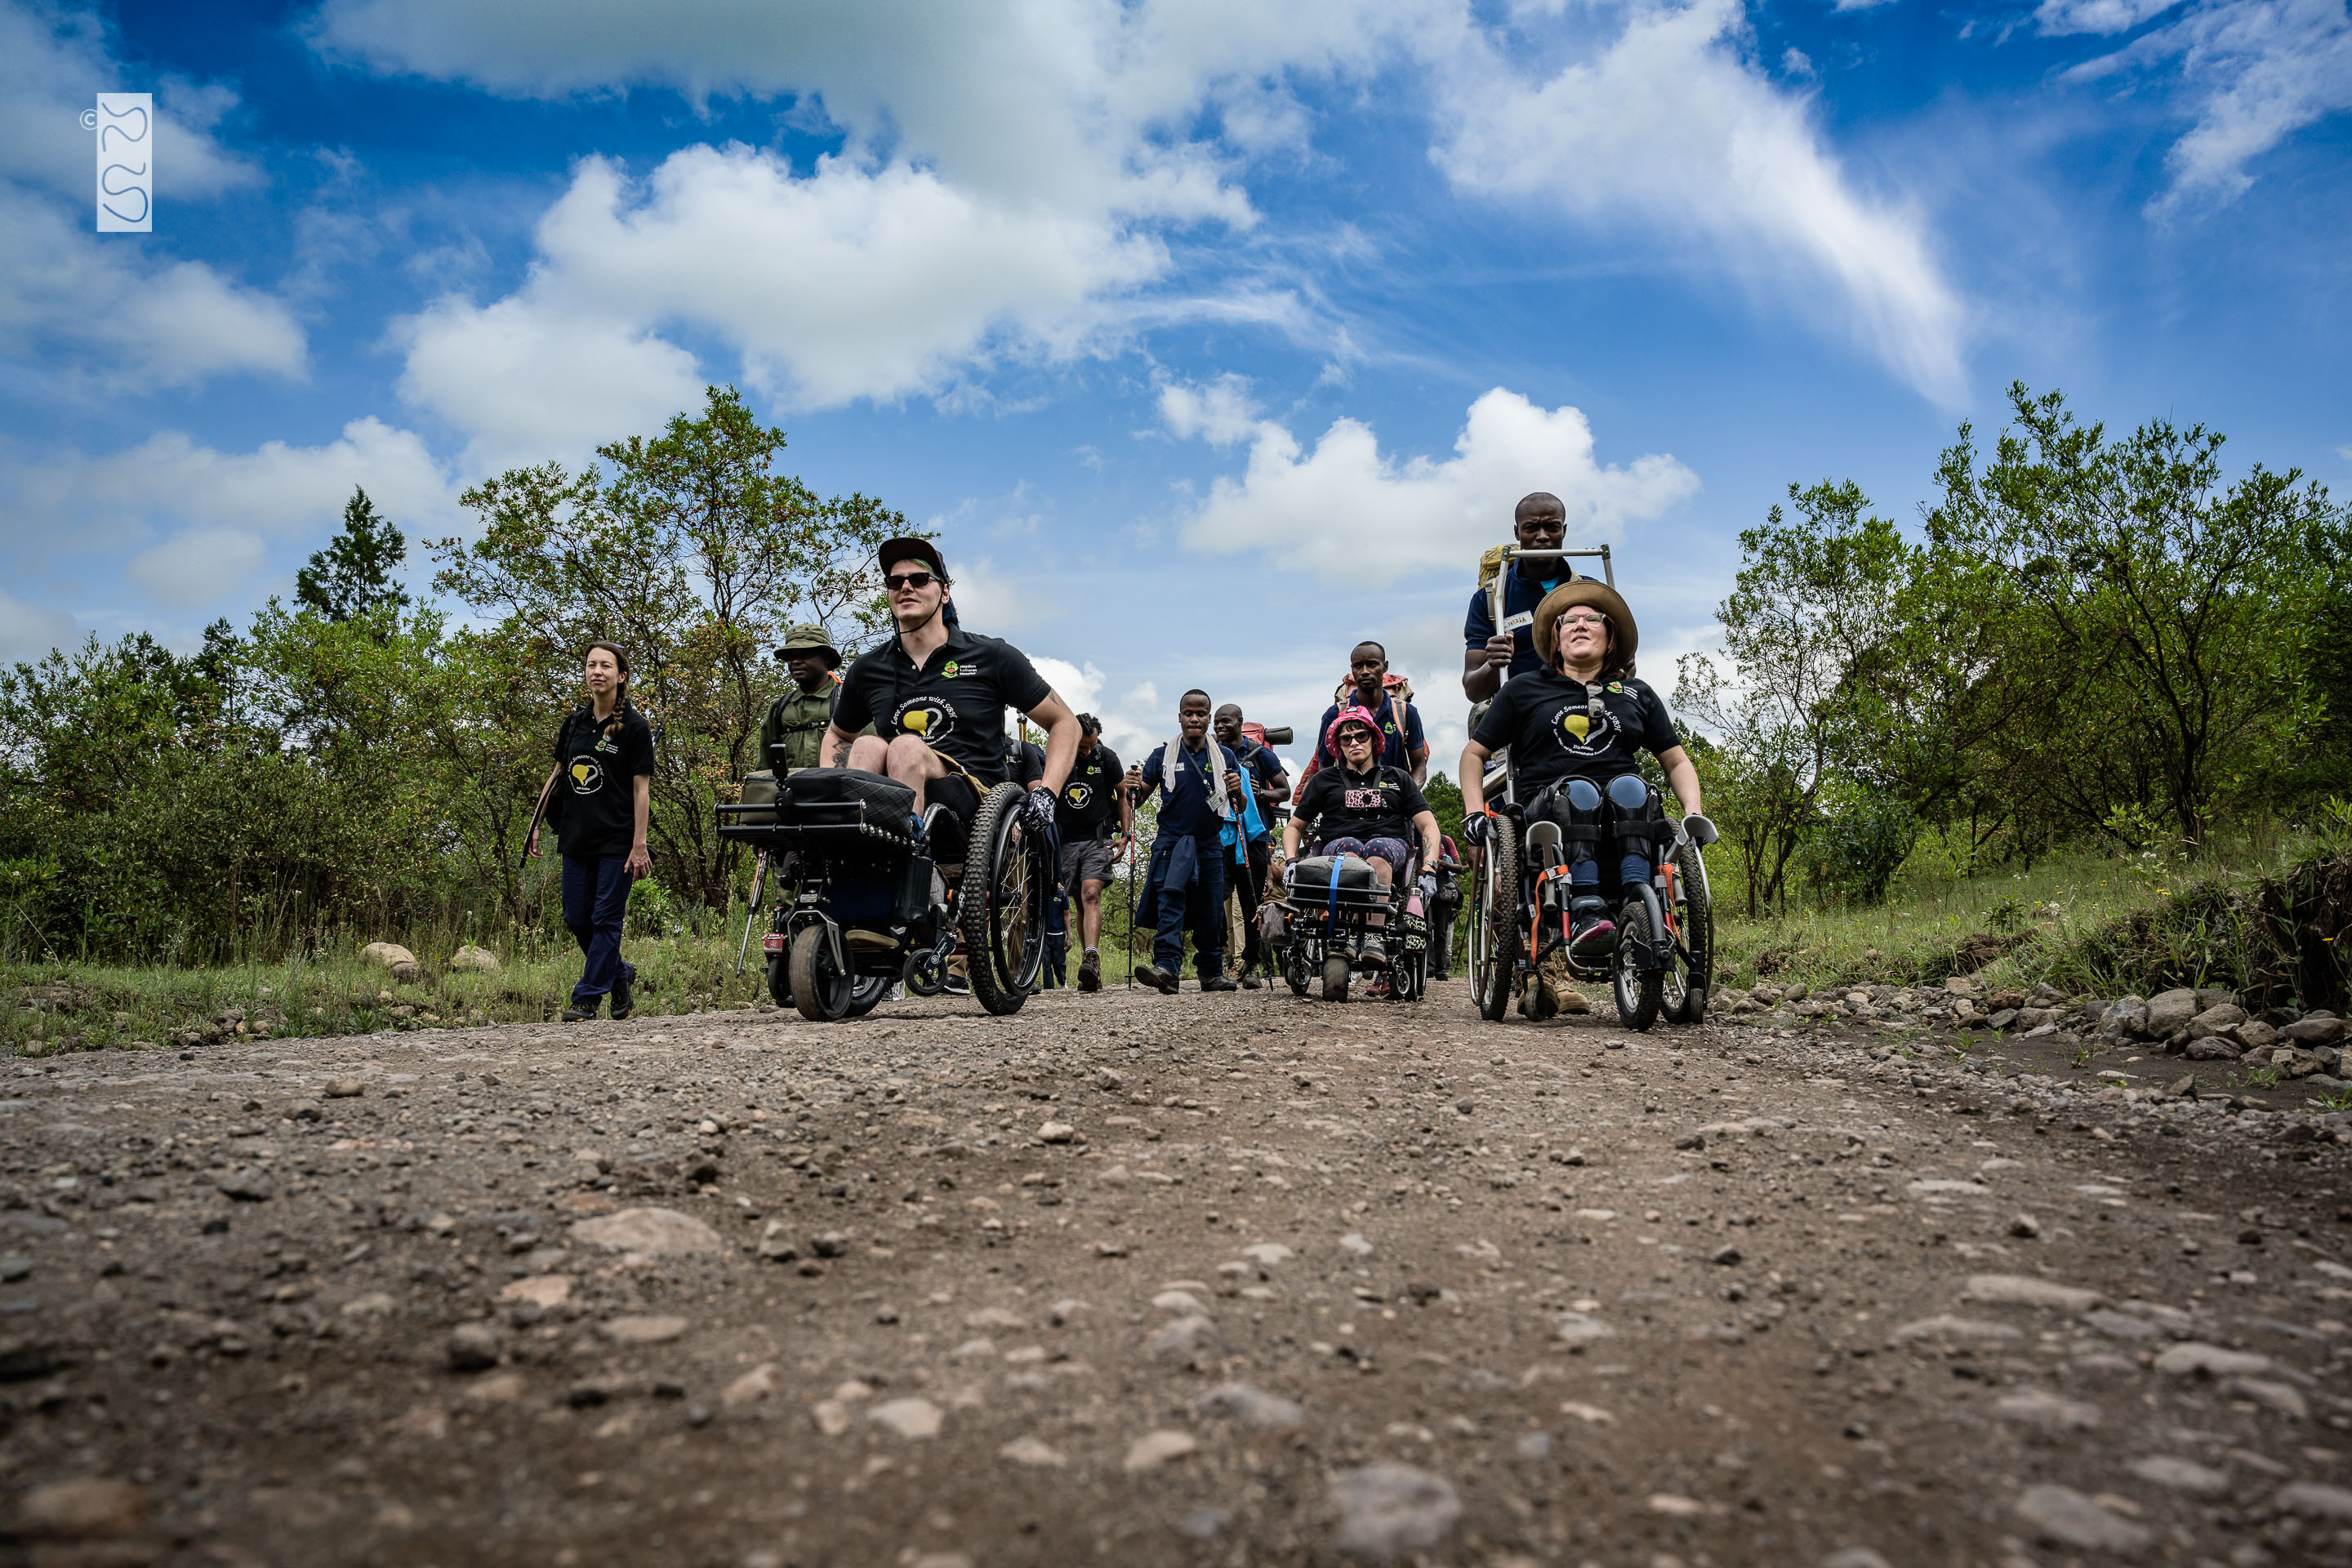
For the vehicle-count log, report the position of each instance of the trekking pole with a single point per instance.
(751, 916)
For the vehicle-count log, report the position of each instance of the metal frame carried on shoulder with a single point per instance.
(1500, 775)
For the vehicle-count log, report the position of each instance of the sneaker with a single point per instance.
(1217, 983)
(575, 1014)
(1090, 971)
(1380, 989)
(1591, 932)
(1159, 979)
(624, 1000)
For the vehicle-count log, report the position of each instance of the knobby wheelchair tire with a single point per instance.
(1690, 980)
(1638, 990)
(1494, 931)
(1003, 905)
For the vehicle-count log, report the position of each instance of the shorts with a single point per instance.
(1088, 860)
(958, 792)
(1392, 850)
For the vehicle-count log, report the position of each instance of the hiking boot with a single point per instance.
(575, 1014)
(1591, 932)
(1090, 971)
(1552, 976)
(1217, 983)
(1250, 981)
(1159, 979)
(624, 1000)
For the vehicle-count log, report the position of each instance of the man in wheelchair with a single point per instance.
(1363, 807)
(1574, 728)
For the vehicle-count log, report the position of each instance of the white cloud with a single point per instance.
(1222, 413)
(29, 631)
(1671, 127)
(1351, 515)
(54, 63)
(199, 567)
(278, 492)
(2259, 71)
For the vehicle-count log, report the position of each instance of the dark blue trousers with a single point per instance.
(596, 901)
(1189, 875)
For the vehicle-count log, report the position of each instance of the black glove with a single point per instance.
(1040, 812)
(1473, 828)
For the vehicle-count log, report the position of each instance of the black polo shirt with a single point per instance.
(1546, 719)
(955, 704)
(1088, 806)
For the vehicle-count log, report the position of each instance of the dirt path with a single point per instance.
(1135, 1279)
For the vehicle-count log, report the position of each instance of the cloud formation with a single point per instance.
(1672, 127)
(1354, 516)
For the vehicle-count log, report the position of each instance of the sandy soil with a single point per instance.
(1137, 1280)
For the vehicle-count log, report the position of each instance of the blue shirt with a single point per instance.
(1251, 821)
(1397, 747)
(1521, 599)
(1184, 807)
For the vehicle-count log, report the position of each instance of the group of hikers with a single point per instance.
(928, 707)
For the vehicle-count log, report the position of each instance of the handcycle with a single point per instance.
(1325, 912)
(1518, 890)
(862, 912)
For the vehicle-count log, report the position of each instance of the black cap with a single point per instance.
(894, 551)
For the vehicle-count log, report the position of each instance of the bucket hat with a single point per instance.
(1600, 597)
(809, 637)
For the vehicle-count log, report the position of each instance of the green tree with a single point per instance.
(353, 576)
(692, 552)
(2155, 624)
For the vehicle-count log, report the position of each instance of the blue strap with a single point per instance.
(1331, 889)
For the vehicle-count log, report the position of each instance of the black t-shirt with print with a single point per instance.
(1546, 719)
(1088, 808)
(955, 704)
(597, 792)
(1338, 804)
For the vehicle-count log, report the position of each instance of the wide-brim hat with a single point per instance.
(1350, 716)
(1600, 597)
(894, 551)
(809, 637)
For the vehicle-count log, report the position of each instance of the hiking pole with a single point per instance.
(751, 916)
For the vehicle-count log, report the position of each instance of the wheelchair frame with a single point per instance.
(1663, 961)
(860, 915)
(1331, 939)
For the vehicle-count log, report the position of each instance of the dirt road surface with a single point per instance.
(1127, 1278)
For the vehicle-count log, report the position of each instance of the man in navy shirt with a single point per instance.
(1271, 785)
(1200, 785)
(1542, 523)
(1403, 744)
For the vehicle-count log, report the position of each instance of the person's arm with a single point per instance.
(1485, 652)
(1277, 788)
(1426, 821)
(1061, 726)
(850, 714)
(640, 862)
(1473, 777)
(835, 752)
(1684, 777)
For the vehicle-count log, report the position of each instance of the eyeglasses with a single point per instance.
(902, 581)
(1584, 620)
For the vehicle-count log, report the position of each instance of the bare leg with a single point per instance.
(1091, 894)
(1381, 877)
(906, 759)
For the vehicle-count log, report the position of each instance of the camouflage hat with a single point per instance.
(809, 637)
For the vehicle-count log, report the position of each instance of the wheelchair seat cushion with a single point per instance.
(882, 801)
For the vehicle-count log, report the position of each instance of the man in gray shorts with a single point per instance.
(1094, 818)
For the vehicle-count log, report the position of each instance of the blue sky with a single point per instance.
(1213, 336)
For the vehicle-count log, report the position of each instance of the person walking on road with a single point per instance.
(1269, 787)
(601, 800)
(1199, 784)
(1097, 822)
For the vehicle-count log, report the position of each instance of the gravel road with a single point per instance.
(1137, 1280)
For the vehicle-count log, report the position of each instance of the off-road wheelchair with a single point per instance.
(1516, 888)
(871, 902)
(1322, 926)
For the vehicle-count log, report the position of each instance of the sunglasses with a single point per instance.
(900, 581)
(1355, 737)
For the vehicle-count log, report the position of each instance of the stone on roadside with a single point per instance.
(659, 1233)
(1252, 1406)
(2167, 1011)
(751, 1387)
(657, 1329)
(2216, 1020)
(2178, 1474)
(2315, 1031)
(544, 1291)
(1354, 1242)
(2047, 1412)
(1154, 1450)
(474, 1347)
(2193, 1358)
(912, 1419)
(2065, 1516)
(1854, 1557)
(1944, 1327)
(94, 1508)
(2314, 1499)
(1184, 1338)
(2283, 1398)
(776, 1244)
(479, 959)
(2024, 1290)
(1033, 1453)
(245, 1187)
(1389, 1511)
(387, 956)
(1180, 1301)
(1267, 1254)
(1058, 1133)
(344, 1088)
